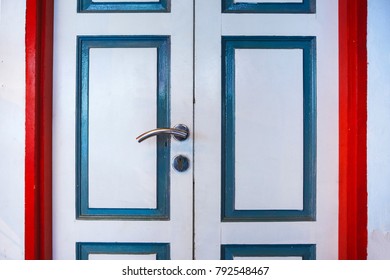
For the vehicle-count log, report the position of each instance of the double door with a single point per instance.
(256, 85)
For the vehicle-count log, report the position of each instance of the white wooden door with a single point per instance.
(266, 118)
(117, 75)
(262, 78)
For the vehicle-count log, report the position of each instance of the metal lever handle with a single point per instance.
(180, 132)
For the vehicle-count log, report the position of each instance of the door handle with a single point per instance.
(180, 132)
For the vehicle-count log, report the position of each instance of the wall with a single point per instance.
(12, 93)
(379, 129)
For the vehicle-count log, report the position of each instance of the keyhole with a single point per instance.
(181, 163)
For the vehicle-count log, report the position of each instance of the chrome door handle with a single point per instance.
(180, 132)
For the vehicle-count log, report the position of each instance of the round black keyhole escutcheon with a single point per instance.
(181, 163)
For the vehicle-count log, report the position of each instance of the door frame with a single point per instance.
(352, 129)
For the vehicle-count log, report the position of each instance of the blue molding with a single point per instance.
(305, 7)
(83, 249)
(84, 44)
(308, 46)
(88, 6)
(306, 251)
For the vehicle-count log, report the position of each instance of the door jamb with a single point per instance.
(352, 129)
(38, 150)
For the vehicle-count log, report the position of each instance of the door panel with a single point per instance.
(271, 252)
(269, 6)
(289, 165)
(267, 120)
(115, 77)
(111, 102)
(122, 251)
(104, 6)
(278, 114)
(116, 117)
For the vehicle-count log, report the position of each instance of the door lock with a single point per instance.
(181, 163)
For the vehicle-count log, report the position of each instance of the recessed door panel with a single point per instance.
(122, 79)
(127, 79)
(122, 251)
(272, 124)
(271, 252)
(261, 1)
(123, 6)
(269, 6)
(122, 257)
(124, 1)
(269, 128)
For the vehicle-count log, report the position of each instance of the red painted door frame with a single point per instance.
(38, 157)
(352, 129)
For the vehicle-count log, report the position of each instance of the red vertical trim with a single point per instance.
(353, 129)
(38, 162)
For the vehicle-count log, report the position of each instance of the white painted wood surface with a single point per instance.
(124, 1)
(210, 231)
(122, 257)
(267, 258)
(269, 129)
(12, 128)
(122, 104)
(378, 130)
(262, 1)
(68, 24)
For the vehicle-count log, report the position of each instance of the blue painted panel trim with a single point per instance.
(306, 251)
(88, 6)
(84, 249)
(84, 44)
(308, 45)
(306, 7)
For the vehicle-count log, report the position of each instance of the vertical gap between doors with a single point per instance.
(193, 129)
